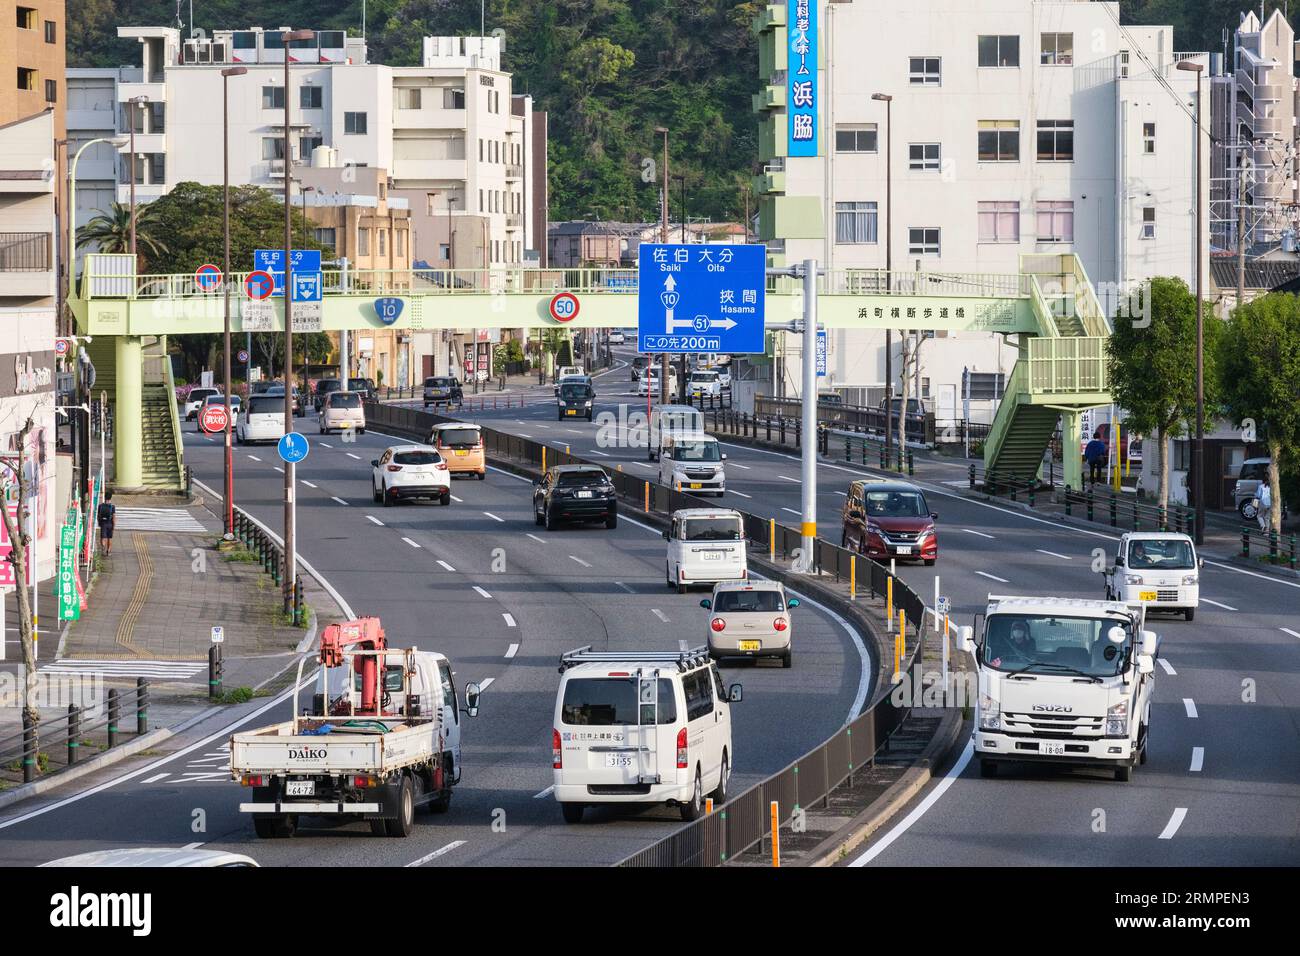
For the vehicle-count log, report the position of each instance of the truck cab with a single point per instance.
(1159, 569)
(1063, 681)
(694, 463)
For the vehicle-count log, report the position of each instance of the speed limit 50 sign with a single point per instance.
(564, 307)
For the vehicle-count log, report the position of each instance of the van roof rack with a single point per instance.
(684, 657)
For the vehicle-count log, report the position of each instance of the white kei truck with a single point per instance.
(1064, 681)
(382, 737)
(1161, 569)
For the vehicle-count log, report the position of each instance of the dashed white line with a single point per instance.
(414, 544)
(740, 493)
(1055, 554)
(338, 499)
(625, 587)
(494, 517)
(641, 464)
(540, 425)
(545, 793)
(980, 533)
(279, 469)
(1169, 668)
(600, 453)
(306, 482)
(791, 510)
(437, 853)
(842, 494)
(659, 614)
(510, 621)
(529, 534)
(1291, 632)
(993, 577)
(481, 592)
(1174, 823)
(1226, 607)
(788, 478)
(325, 444)
(375, 520)
(1189, 705)
(485, 683)
(350, 455)
(574, 557)
(254, 457)
(1198, 760)
(459, 501)
(573, 431)
(511, 651)
(736, 464)
(445, 565)
(156, 777)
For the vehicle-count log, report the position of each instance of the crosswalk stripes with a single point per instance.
(125, 667)
(156, 519)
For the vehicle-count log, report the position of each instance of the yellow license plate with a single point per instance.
(345, 425)
(462, 452)
(570, 411)
(696, 484)
(749, 645)
(1146, 595)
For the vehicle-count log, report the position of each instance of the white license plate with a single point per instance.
(1052, 750)
(618, 761)
(300, 788)
(585, 494)
(712, 555)
(904, 549)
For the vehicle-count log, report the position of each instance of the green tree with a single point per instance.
(111, 232)
(1152, 358)
(1259, 362)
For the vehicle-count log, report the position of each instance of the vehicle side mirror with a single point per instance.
(374, 462)
(966, 640)
(1145, 664)
(934, 515)
(793, 602)
(1149, 643)
(1119, 560)
(472, 692)
(706, 604)
(724, 456)
(735, 694)
(1200, 563)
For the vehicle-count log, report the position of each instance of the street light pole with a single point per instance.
(226, 74)
(663, 237)
(888, 100)
(1198, 449)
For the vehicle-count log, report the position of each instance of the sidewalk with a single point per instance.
(150, 610)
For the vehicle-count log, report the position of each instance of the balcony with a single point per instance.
(770, 97)
(26, 264)
(514, 172)
(439, 170)
(428, 118)
(154, 92)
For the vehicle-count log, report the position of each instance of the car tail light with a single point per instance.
(681, 749)
(779, 624)
(394, 467)
(441, 466)
(557, 756)
(718, 624)
(252, 780)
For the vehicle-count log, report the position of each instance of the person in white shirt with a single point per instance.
(1264, 506)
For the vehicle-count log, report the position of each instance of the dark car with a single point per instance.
(442, 390)
(889, 519)
(574, 493)
(363, 387)
(276, 388)
(323, 388)
(575, 399)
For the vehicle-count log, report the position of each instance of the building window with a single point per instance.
(923, 156)
(354, 124)
(855, 222)
(273, 147)
(400, 238)
(408, 97)
(157, 167)
(26, 18)
(923, 242)
(453, 98)
(923, 70)
(1055, 220)
(273, 97)
(999, 221)
(999, 141)
(310, 97)
(26, 78)
(856, 139)
(444, 251)
(999, 51)
(1148, 222)
(363, 242)
(1056, 49)
(306, 144)
(51, 91)
(382, 236)
(326, 237)
(51, 32)
(1148, 138)
(480, 201)
(1056, 141)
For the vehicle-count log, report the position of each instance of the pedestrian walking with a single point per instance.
(1264, 505)
(106, 517)
(1095, 455)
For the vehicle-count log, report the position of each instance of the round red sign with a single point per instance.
(214, 418)
(564, 307)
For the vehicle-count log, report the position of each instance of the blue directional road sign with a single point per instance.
(701, 298)
(307, 286)
(272, 261)
(293, 447)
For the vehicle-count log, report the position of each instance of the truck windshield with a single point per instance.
(607, 701)
(697, 451)
(711, 529)
(1014, 641)
(1161, 554)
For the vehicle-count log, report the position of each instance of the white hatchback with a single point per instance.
(410, 471)
(262, 420)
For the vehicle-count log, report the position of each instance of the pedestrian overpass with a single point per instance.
(1049, 303)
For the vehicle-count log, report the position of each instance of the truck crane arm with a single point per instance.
(365, 634)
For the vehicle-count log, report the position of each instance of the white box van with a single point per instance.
(641, 727)
(705, 546)
(262, 420)
(693, 463)
(669, 420)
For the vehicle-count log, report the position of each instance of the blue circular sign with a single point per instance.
(293, 447)
(242, 355)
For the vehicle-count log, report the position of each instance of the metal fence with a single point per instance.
(270, 555)
(24, 251)
(66, 738)
(919, 428)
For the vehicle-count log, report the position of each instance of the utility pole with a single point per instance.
(808, 443)
(888, 100)
(229, 486)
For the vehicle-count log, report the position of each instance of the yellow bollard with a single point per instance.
(543, 458)
(902, 628)
(647, 497)
(566, 449)
(853, 577)
(776, 834)
(708, 806)
(898, 661)
(889, 599)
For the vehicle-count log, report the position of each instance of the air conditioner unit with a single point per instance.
(218, 53)
(205, 53)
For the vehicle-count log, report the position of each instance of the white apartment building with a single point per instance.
(1018, 126)
(449, 129)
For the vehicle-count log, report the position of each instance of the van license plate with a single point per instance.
(904, 549)
(696, 484)
(1146, 595)
(461, 451)
(711, 555)
(1052, 750)
(618, 761)
(749, 645)
(300, 788)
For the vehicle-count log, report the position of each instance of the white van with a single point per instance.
(262, 420)
(641, 727)
(693, 463)
(705, 546)
(668, 420)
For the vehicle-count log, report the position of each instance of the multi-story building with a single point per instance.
(32, 51)
(1018, 126)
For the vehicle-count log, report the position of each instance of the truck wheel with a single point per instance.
(988, 768)
(264, 827)
(691, 811)
(441, 803)
(1124, 774)
(404, 822)
(275, 827)
(572, 812)
(1189, 613)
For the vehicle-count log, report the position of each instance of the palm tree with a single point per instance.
(111, 231)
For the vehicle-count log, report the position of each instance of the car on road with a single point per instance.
(364, 387)
(705, 383)
(323, 387)
(575, 398)
(705, 546)
(641, 728)
(219, 399)
(750, 619)
(1253, 474)
(195, 399)
(1158, 569)
(616, 337)
(341, 411)
(724, 377)
(639, 364)
(650, 380)
(889, 519)
(693, 462)
(410, 471)
(461, 444)
(277, 389)
(574, 493)
(442, 390)
(669, 420)
(262, 420)
(160, 856)
(573, 380)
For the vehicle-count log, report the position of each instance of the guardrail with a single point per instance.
(744, 820)
(73, 731)
(919, 428)
(1269, 542)
(270, 555)
(24, 251)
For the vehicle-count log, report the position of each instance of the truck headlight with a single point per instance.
(990, 713)
(1189, 579)
(1132, 579)
(1117, 719)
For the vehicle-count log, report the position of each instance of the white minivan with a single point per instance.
(693, 463)
(262, 420)
(641, 727)
(705, 546)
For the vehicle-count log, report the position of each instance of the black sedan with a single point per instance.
(574, 493)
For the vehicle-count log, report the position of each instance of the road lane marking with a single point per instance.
(600, 453)
(207, 438)
(659, 614)
(1054, 554)
(375, 520)
(156, 777)
(1226, 607)
(625, 587)
(842, 494)
(540, 425)
(254, 457)
(324, 444)
(573, 431)
(481, 592)
(1189, 705)
(788, 478)
(529, 534)
(357, 457)
(1291, 632)
(579, 560)
(736, 464)
(485, 683)
(414, 544)
(993, 577)
(1169, 668)
(445, 565)
(279, 469)
(510, 622)
(741, 493)
(980, 533)
(1174, 823)
(511, 651)
(545, 793)
(437, 853)
(641, 464)
(1198, 760)
(338, 499)
(459, 501)
(494, 517)
(791, 510)
(307, 483)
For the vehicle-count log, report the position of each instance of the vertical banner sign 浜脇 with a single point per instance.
(801, 77)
